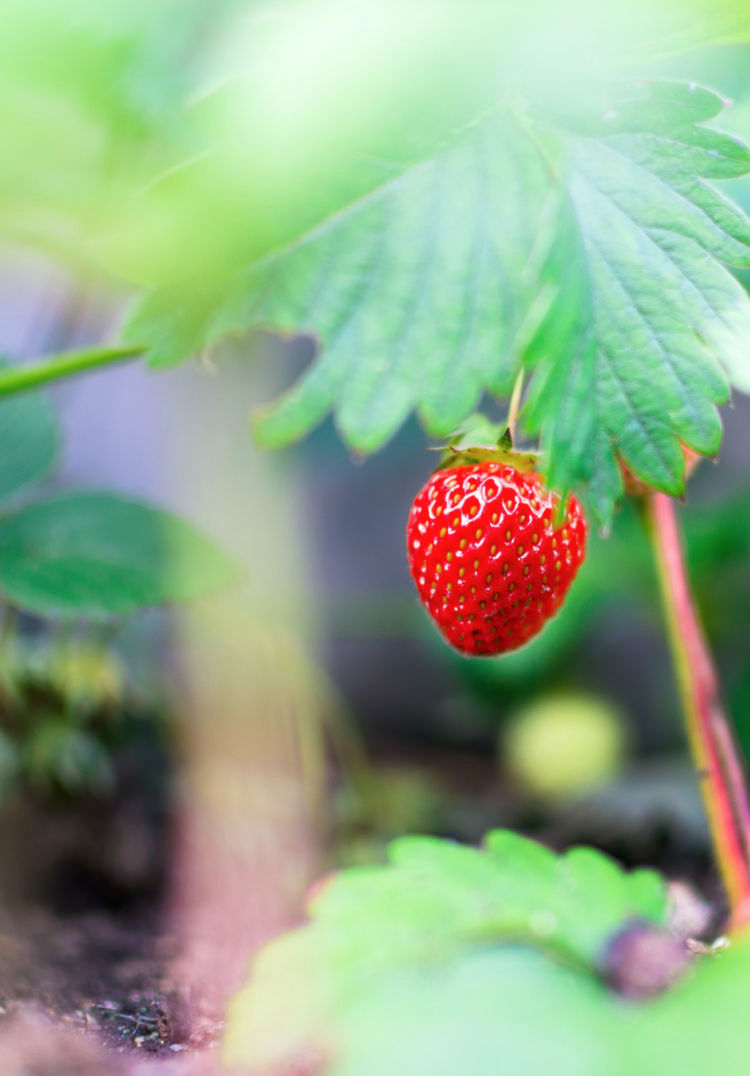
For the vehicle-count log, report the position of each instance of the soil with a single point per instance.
(85, 953)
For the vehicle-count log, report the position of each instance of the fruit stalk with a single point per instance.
(515, 404)
(715, 752)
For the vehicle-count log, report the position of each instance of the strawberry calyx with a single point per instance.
(457, 457)
(478, 440)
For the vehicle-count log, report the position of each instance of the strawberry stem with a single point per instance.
(514, 405)
(715, 752)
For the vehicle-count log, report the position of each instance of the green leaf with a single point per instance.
(487, 1010)
(418, 293)
(509, 1011)
(97, 555)
(499, 1011)
(168, 142)
(318, 103)
(592, 245)
(29, 441)
(434, 900)
(648, 326)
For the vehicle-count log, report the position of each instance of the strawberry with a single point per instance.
(488, 560)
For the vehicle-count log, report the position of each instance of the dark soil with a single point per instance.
(83, 945)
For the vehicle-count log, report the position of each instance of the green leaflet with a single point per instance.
(97, 555)
(593, 247)
(88, 554)
(435, 900)
(648, 326)
(425, 965)
(417, 293)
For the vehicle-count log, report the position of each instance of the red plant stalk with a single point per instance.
(710, 733)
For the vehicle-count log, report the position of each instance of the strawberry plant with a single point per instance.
(463, 205)
(83, 560)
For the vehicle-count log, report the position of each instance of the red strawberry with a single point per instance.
(488, 561)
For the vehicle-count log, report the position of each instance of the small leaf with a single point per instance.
(97, 555)
(29, 441)
(478, 430)
(486, 1009)
(434, 901)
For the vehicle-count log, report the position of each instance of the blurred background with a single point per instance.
(176, 780)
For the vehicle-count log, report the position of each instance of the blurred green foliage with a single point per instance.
(432, 902)
(563, 746)
(61, 705)
(98, 555)
(79, 558)
(417, 967)
(92, 555)
(482, 1011)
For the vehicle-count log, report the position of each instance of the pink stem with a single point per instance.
(712, 742)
